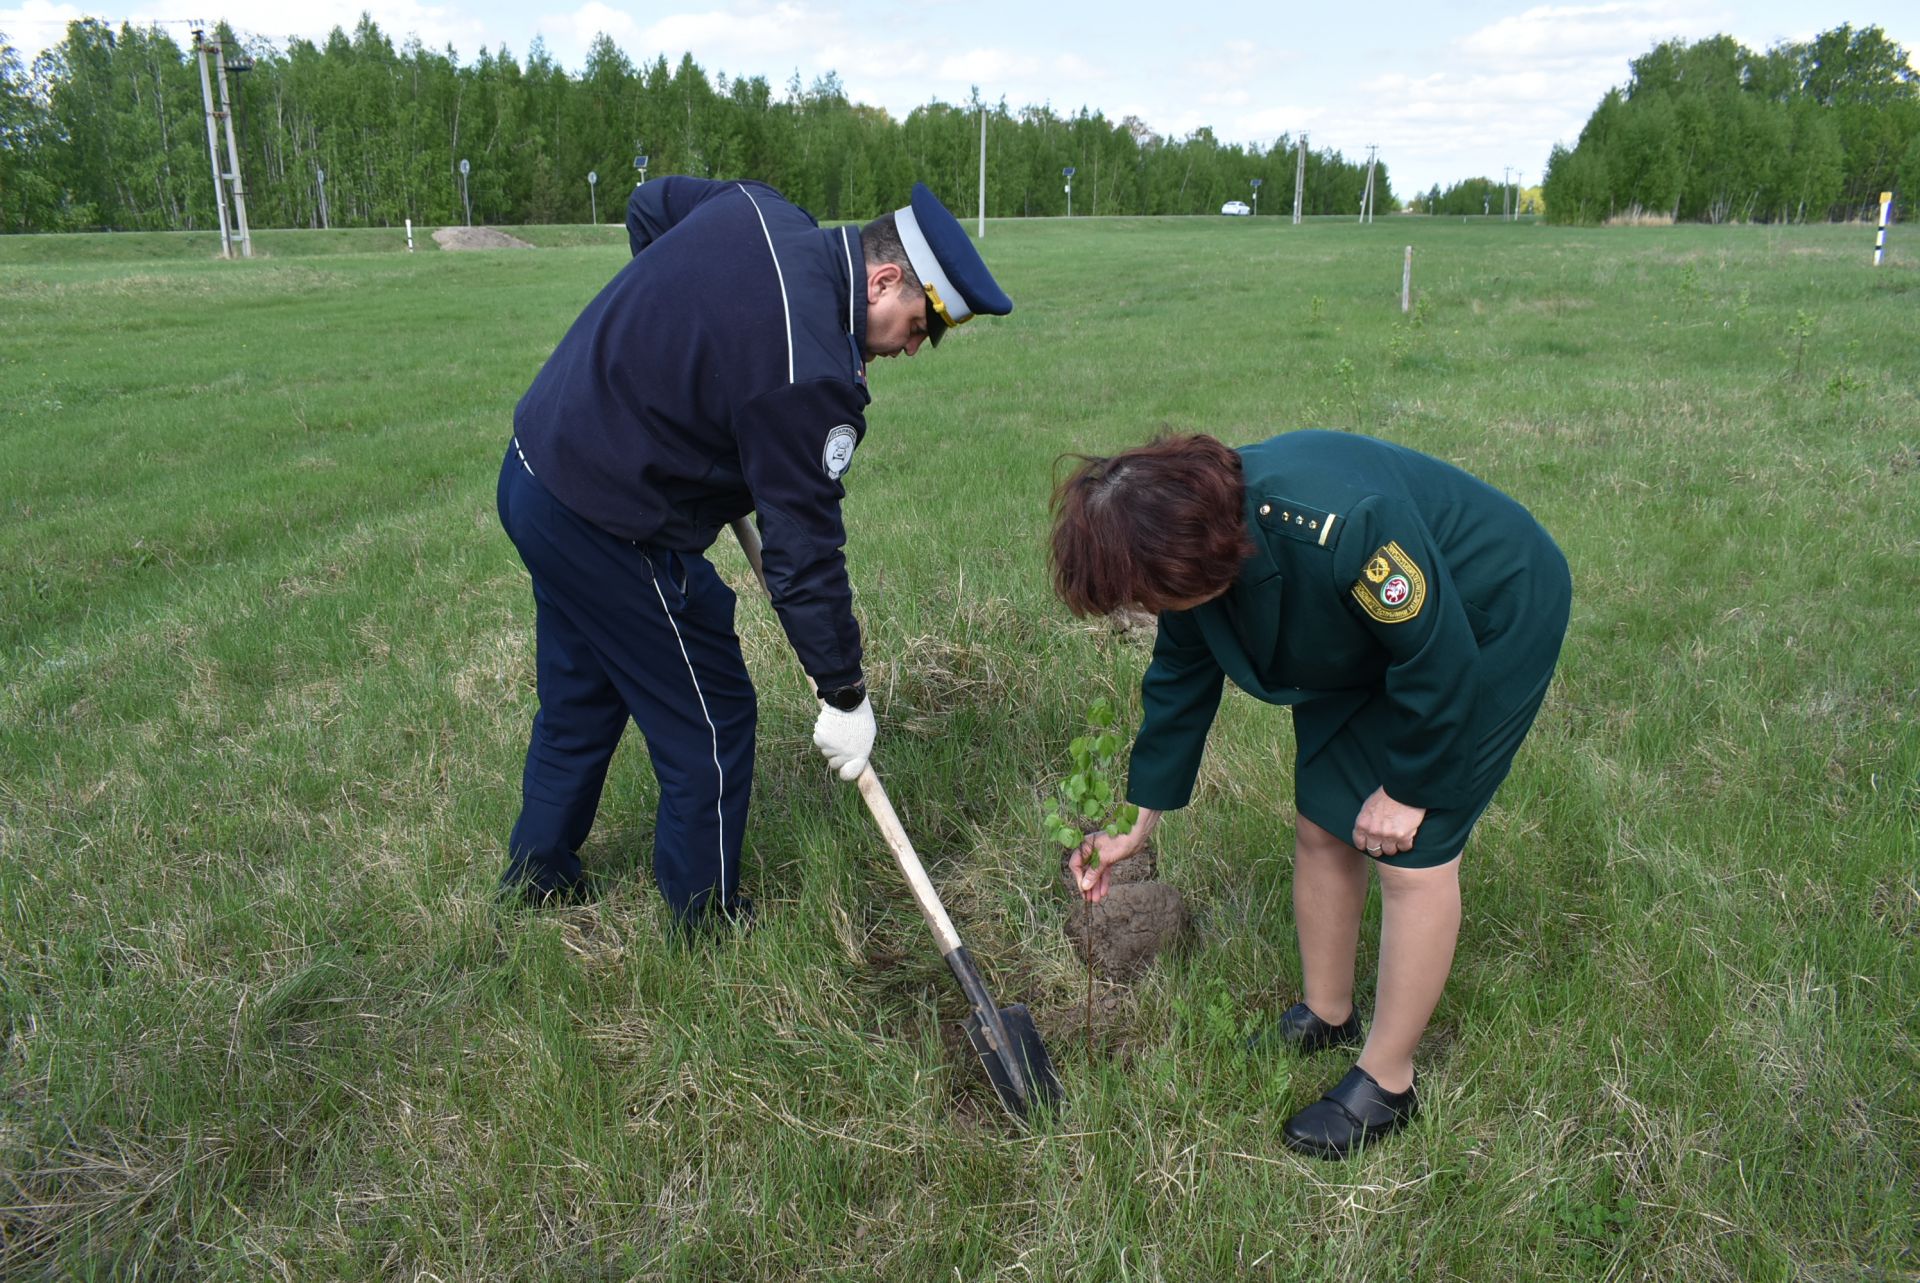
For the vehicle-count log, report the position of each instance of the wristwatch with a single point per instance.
(846, 698)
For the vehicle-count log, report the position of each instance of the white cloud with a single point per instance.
(36, 25)
(1072, 67)
(1510, 89)
(775, 40)
(570, 35)
(1583, 33)
(987, 66)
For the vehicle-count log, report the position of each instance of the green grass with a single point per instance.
(269, 674)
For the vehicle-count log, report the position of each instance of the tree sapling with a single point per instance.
(1089, 801)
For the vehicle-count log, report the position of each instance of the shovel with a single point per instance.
(1004, 1038)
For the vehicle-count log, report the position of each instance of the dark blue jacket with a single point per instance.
(719, 373)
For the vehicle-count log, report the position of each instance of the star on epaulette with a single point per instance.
(1301, 521)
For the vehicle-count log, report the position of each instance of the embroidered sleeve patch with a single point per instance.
(1391, 588)
(837, 457)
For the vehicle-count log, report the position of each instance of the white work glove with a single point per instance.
(845, 738)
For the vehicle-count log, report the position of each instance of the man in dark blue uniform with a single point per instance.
(721, 372)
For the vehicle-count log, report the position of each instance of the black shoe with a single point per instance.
(1300, 1031)
(716, 924)
(529, 889)
(1354, 1114)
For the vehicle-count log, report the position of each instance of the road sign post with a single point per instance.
(1068, 172)
(1256, 195)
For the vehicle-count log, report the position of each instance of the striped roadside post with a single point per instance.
(1880, 238)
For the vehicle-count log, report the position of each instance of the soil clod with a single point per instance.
(1139, 919)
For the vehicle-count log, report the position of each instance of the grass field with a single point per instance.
(269, 676)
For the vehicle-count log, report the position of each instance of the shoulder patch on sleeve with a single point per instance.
(1391, 588)
(837, 456)
(1298, 520)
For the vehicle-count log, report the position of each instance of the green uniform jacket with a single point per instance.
(1376, 570)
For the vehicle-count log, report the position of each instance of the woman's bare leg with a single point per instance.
(1419, 926)
(1329, 894)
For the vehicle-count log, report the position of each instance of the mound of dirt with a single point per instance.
(1139, 919)
(477, 238)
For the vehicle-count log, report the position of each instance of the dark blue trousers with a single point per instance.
(628, 631)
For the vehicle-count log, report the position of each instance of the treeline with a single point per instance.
(107, 130)
(1482, 196)
(1715, 132)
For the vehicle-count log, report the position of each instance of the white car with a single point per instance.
(1238, 208)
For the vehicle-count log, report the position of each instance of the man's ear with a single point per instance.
(880, 278)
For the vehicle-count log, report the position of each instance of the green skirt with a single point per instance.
(1341, 766)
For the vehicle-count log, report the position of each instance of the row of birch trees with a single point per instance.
(107, 130)
(1712, 131)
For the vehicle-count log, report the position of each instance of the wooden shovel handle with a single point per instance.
(874, 795)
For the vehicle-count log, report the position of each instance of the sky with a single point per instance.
(1447, 89)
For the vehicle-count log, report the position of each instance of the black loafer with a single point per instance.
(1354, 1114)
(1299, 1030)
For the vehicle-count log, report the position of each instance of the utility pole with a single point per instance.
(225, 183)
(1506, 177)
(1366, 196)
(1300, 179)
(233, 148)
(320, 177)
(982, 207)
(213, 144)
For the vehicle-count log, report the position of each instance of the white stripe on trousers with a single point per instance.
(719, 807)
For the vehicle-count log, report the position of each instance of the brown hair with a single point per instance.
(1156, 525)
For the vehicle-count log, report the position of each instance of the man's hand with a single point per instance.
(1386, 827)
(846, 739)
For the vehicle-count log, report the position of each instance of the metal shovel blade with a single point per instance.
(1041, 1085)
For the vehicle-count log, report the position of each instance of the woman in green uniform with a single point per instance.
(1411, 616)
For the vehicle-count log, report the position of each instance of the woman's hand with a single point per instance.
(1386, 827)
(1091, 875)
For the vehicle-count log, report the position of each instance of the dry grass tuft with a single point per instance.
(1634, 216)
(71, 1194)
